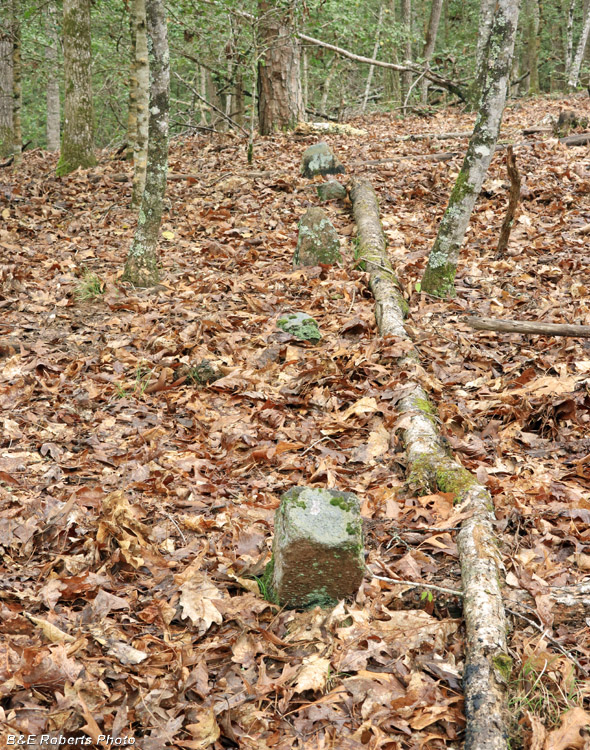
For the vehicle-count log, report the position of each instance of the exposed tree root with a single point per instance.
(430, 467)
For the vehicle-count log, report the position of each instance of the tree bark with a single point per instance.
(6, 85)
(280, 100)
(132, 100)
(433, 23)
(574, 73)
(78, 133)
(406, 18)
(142, 96)
(486, 17)
(392, 77)
(569, 44)
(440, 271)
(532, 30)
(514, 176)
(525, 327)
(51, 58)
(141, 268)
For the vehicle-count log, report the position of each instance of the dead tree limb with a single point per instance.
(487, 663)
(514, 176)
(444, 82)
(580, 139)
(525, 326)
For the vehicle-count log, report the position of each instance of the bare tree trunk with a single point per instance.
(392, 82)
(533, 45)
(372, 67)
(142, 100)
(203, 87)
(442, 263)
(326, 85)
(51, 57)
(435, 11)
(305, 79)
(17, 88)
(486, 16)
(239, 108)
(78, 134)
(569, 52)
(280, 101)
(574, 73)
(6, 85)
(407, 24)
(141, 268)
(132, 103)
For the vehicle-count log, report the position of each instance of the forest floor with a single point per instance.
(136, 505)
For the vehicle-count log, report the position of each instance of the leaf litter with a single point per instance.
(137, 502)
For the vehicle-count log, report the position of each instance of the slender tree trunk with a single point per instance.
(78, 134)
(239, 107)
(17, 88)
(142, 100)
(569, 43)
(375, 52)
(486, 16)
(203, 88)
(327, 83)
(305, 79)
(6, 85)
(406, 6)
(141, 268)
(435, 11)
(442, 263)
(132, 103)
(51, 58)
(574, 73)
(280, 100)
(532, 33)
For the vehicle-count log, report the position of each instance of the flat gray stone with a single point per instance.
(317, 241)
(331, 191)
(301, 325)
(320, 159)
(318, 555)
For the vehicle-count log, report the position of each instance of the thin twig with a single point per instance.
(171, 518)
(417, 584)
(209, 104)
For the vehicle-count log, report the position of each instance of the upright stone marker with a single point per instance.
(317, 241)
(320, 159)
(318, 555)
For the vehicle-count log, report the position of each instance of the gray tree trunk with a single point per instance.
(78, 133)
(486, 16)
(533, 18)
(406, 18)
(6, 85)
(569, 44)
(442, 263)
(375, 52)
(433, 23)
(142, 100)
(280, 99)
(51, 58)
(141, 267)
(574, 73)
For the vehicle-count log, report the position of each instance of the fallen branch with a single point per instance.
(445, 83)
(514, 176)
(523, 326)
(580, 139)
(446, 156)
(487, 663)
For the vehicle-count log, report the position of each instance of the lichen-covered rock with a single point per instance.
(331, 190)
(320, 159)
(318, 555)
(317, 241)
(301, 325)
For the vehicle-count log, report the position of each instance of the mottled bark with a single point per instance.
(574, 73)
(406, 18)
(141, 268)
(78, 133)
(132, 101)
(392, 77)
(51, 58)
(442, 263)
(569, 43)
(486, 16)
(280, 100)
(6, 85)
(432, 31)
(142, 73)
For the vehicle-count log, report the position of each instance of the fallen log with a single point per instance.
(525, 326)
(580, 139)
(431, 468)
(443, 156)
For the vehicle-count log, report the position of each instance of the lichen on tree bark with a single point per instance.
(440, 272)
(141, 267)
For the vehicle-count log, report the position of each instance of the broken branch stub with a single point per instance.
(318, 554)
